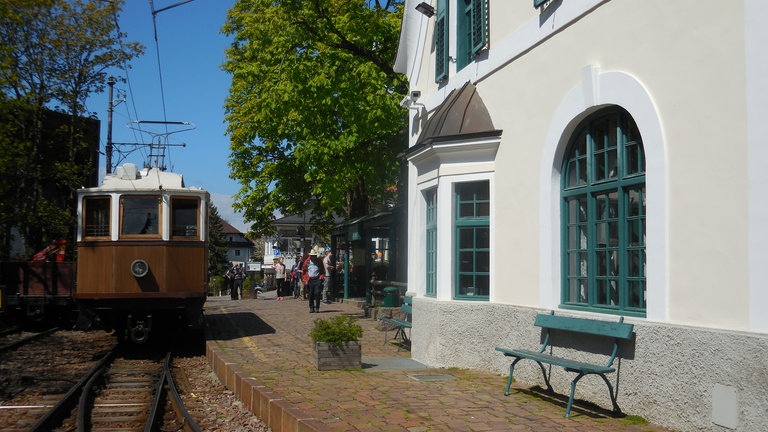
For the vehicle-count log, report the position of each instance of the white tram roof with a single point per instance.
(130, 177)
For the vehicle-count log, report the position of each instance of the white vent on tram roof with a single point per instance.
(128, 171)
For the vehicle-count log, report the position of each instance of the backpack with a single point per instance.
(313, 270)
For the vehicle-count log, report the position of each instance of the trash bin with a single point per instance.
(391, 297)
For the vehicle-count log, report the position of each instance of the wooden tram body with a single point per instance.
(142, 253)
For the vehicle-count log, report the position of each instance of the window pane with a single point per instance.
(466, 210)
(184, 217)
(140, 216)
(466, 285)
(482, 262)
(636, 262)
(97, 213)
(637, 295)
(482, 285)
(466, 262)
(483, 240)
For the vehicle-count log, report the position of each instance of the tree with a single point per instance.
(53, 55)
(313, 110)
(217, 243)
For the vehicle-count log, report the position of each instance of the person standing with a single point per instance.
(280, 277)
(296, 278)
(313, 276)
(302, 285)
(328, 268)
(236, 275)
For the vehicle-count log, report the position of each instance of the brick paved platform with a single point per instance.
(259, 348)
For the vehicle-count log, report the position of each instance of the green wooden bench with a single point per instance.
(400, 324)
(615, 331)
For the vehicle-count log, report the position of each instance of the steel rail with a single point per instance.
(167, 386)
(190, 425)
(63, 408)
(85, 407)
(28, 339)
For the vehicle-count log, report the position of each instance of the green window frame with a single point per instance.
(472, 238)
(441, 41)
(603, 217)
(430, 197)
(471, 31)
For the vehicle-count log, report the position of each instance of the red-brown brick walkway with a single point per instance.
(266, 340)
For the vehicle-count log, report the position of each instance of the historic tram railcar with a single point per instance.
(142, 253)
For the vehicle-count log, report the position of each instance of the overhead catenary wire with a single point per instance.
(157, 51)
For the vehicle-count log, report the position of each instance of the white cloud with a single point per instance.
(224, 204)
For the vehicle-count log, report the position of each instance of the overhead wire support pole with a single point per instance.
(111, 82)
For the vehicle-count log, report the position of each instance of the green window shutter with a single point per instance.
(441, 42)
(479, 25)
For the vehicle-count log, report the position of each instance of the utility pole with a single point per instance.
(111, 82)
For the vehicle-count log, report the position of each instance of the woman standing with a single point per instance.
(280, 277)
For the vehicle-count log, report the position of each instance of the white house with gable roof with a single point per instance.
(598, 158)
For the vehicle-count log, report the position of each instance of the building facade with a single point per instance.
(239, 248)
(598, 158)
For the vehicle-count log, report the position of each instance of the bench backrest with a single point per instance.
(584, 325)
(616, 330)
(407, 306)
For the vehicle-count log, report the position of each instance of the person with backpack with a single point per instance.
(313, 275)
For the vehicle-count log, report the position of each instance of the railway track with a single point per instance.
(68, 380)
(122, 394)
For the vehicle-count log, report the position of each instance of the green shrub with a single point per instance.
(337, 330)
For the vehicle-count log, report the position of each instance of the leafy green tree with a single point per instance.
(217, 243)
(53, 55)
(313, 110)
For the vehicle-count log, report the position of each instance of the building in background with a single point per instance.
(239, 248)
(599, 159)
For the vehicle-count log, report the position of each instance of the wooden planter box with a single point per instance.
(330, 356)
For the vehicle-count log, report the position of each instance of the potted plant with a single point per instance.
(337, 342)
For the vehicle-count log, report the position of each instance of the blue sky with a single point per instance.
(191, 51)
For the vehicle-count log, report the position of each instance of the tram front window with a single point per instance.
(184, 217)
(140, 216)
(96, 213)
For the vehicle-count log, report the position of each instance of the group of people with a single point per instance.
(309, 278)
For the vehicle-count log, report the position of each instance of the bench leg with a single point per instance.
(573, 390)
(546, 377)
(543, 373)
(511, 371)
(616, 408)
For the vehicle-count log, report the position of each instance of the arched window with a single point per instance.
(603, 216)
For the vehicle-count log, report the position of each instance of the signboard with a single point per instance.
(253, 267)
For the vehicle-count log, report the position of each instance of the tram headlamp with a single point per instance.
(139, 268)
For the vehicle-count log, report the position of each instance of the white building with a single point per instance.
(599, 158)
